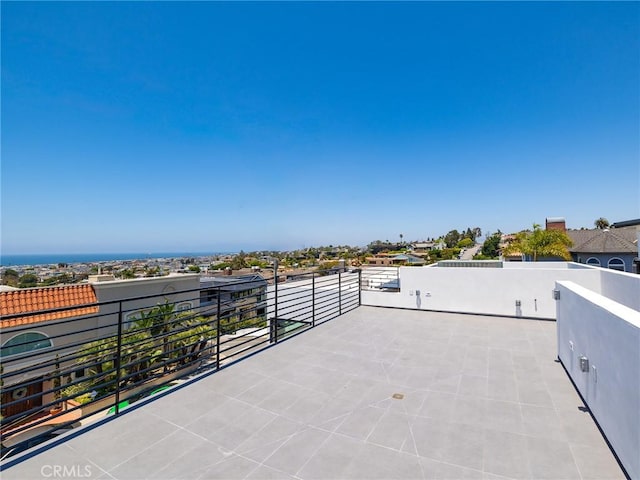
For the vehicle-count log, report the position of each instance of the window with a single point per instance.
(183, 307)
(593, 261)
(25, 342)
(616, 264)
(209, 295)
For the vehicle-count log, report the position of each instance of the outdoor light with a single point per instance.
(584, 364)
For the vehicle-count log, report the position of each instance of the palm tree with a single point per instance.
(540, 243)
(601, 223)
(159, 322)
(401, 236)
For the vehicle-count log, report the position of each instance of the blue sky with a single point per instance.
(200, 126)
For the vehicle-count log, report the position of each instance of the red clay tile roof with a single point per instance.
(36, 299)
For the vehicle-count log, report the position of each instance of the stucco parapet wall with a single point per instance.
(598, 343)
(525, 291)
(173, 277)
(623, 312)
(542, 265)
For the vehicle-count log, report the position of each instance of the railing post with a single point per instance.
(339, 292)
(359, 287)
(313, 299)
(218, 332)
(118, 360)
(275, 312)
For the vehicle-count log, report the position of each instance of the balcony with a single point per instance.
(372, 393)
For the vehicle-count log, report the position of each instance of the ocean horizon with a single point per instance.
(8, 260)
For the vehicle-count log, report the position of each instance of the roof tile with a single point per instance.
(38, 299)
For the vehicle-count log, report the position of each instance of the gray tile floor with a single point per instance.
(481, 398)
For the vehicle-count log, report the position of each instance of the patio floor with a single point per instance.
(475, 397)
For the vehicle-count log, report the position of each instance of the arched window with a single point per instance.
(25, 342)
(616, 264)
(593, 261)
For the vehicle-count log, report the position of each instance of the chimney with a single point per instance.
(555, 223)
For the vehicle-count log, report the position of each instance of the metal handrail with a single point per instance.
(121, 358)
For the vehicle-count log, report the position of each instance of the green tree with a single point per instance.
(10, 277)
(491, 247)
(468, 233)
(152, 271)
(194, 268)
(158, 339)
(449, 253)
(452, 238)
(62, 279)
(239, 261)
(541, 243)
(466, 242)
(324, 267)
(601, 223)
(126, 273)
(258, 263)
(28, 280)
(159, 321)
(379, 246)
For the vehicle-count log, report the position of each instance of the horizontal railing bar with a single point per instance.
(185, 340)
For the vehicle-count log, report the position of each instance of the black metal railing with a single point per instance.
(306, 300)
(57, 373)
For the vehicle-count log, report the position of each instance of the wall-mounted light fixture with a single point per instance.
(584, 364)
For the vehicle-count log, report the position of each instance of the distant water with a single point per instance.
(46, 259)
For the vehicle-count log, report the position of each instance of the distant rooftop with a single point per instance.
(617, 240)
(626, 223)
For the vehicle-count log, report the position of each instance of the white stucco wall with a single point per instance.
(608, 334)
(492, 291)
(173, 288)
(621, 287)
